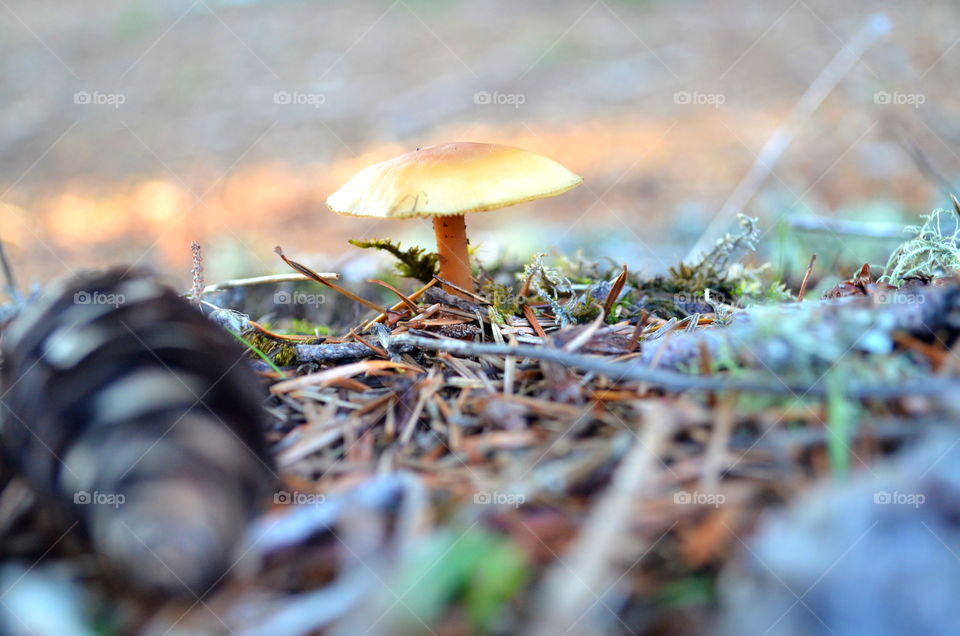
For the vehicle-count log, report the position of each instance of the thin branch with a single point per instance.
(806, 279)
(638, 371)
(265, 280)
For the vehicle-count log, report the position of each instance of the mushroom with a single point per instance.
(446, 182)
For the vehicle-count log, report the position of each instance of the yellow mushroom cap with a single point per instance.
(451, 179)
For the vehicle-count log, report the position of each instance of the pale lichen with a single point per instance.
(934, 249)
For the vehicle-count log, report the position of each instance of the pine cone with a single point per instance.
(125, 406)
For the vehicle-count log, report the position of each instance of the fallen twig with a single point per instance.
(328, 375)
(637, 370)
(10, 285)
(806, 279)
(850, 228)
(335, 352)
(309, 273)
(265, 280)
(414, 296)
(576, 585)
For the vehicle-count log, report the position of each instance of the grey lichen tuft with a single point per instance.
(934, 249)
(551, 285)
(729, 248)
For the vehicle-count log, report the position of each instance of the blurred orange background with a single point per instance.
(130, 128)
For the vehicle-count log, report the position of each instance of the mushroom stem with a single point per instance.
(452, 249)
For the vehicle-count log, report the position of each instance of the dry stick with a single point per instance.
(496, 333)
(196, 295)
(10, 285)
(571, 588)
(806, 279)
(328, 375)
(442, 407)
(717, 448)
(706, 370)
(414, 296)
(845, 59)
(933, 352)
(426, 313)
(924, 162)
(446, 283)
(333, 352)
(265, 280)
(509, 369)
(270, 334)
(425, 394)
(312, 275)
(455, 434)
(390, 423)
(377, 350)
(636, 370)
(706, 364)
(850, 228)
(406, 301)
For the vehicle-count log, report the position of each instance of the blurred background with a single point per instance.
(129, 128)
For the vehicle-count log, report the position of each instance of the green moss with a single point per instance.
(504, 301)
(413, 262)
(718, 271)
(281, 353)
(301, 326)
(476, 570)
(691, 591)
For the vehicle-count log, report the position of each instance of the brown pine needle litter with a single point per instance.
(600, 434)
(596, 424)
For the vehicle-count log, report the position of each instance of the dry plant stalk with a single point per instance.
(196, 271)
(586, 574)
